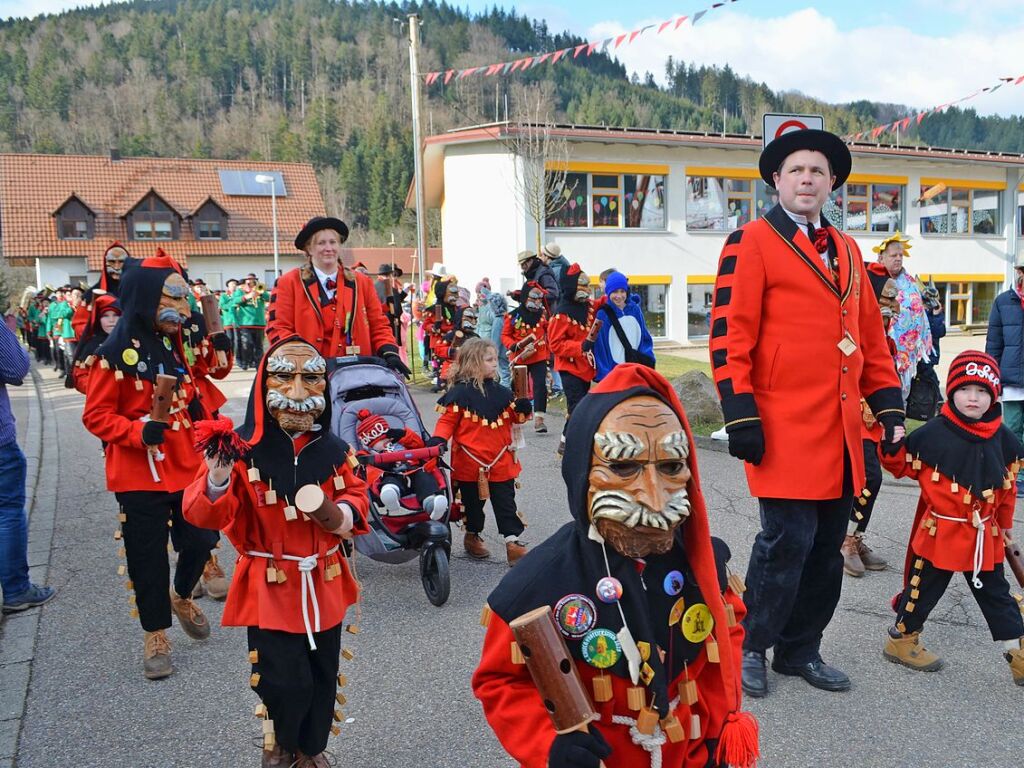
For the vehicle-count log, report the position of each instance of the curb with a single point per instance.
(19, 631)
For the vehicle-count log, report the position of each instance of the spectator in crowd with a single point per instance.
(623, 337)
(19, 593)
(489, 321)
(534, 270)
(551, 256)
(1005, 342)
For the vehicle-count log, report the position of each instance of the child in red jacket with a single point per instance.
(477, 415)
(965, 462)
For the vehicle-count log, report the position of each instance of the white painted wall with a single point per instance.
(58, 272)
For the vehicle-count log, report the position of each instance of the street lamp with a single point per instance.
(266, 178)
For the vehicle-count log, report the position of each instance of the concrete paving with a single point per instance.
(409, 696)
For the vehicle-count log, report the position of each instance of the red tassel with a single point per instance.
(217, 438)
(738, 742)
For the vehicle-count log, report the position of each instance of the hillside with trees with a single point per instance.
(327, 81)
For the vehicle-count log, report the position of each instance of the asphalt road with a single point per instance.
(409, 695)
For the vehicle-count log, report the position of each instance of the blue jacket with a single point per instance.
(604, 344)
(938, 324)
(1005, 339)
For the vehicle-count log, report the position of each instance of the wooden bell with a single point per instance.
(602, 686)
(673, 729)
(636, 698)
(647, 720)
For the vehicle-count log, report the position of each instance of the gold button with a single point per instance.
(843, 395)
(844, 313)
(845, 369)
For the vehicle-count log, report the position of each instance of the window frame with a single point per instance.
(971, 188)
(589, 171)
(67, 214)
(146, 213)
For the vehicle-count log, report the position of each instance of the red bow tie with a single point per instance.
(331, 283)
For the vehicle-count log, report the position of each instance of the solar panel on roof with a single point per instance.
(234, 182)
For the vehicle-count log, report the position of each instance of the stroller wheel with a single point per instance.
(434, 573)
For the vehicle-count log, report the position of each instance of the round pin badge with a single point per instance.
(673, 582)
(609, 590)
(167, 343)
(697, 623)
(130, 356)
(676, 613)
(601, 648)
(195, 328)
(142, 367)
(575, 615)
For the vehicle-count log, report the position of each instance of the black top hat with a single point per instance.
(830, 145)
(317, 223)
(385, 269)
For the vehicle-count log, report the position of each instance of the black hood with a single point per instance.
(567, 304)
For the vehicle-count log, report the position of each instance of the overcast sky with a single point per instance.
(916, 52)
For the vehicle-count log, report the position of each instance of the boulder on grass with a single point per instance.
(697, 394)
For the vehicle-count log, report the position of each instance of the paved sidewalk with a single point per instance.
(36, 428)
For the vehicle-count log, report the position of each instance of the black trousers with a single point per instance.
(539, 379)
(575, 390)
(145, 540)
(421, 483)
(997, 606)
(503, 502)
(861, 513)
(297, 684)
(795, 575)
(252, 345)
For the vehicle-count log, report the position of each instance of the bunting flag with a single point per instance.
(552, 57)
(901, 124)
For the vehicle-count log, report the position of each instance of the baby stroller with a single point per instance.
(365, 382)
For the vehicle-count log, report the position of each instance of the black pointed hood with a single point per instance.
(567, 304)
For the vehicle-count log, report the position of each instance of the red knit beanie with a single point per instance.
(974, 367)
(371, 427)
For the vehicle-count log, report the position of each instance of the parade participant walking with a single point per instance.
(477, 414)
(229, 316)
(19, 593)
(438, 323)
(334, 307)
(568, 336)
(524, 334)
(636, 565)
(796, 340)
(536, 271)
(109, 283)
(60, 316)
(102, 320)
(964, 462)
(146, 343)
(1004, 341)
(250, 305)
(390, 298)
(293, 583)
(910, 329)
(623, 337)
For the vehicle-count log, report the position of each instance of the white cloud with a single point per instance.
(20, 9)
(805, 51)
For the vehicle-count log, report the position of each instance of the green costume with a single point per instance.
(251, 313)
(227, 310)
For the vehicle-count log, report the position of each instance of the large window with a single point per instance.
(608, 201)
(967, 303)
(870, 207)
(153, 219)
(75, 221)
(950, 210)
(718, 204)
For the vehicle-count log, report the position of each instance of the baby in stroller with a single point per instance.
(404, 477)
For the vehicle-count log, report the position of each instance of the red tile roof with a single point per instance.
(34, 187)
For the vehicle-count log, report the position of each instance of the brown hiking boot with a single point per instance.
(475, 547)
(852, 564)
(213, 580)
(906, 649)
(156, 655)
(513, 551)
(868, 558)
(190, 616)
(1016, 659)
(315, 761)
(278, 757)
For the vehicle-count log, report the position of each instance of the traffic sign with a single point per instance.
(775, 124)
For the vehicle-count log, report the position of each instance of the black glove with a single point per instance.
(394, 362)
(524, 405)
(153, 432)
(440, 442)
(221, 342)
(747, 442)
(578, 749)
(889, 422)
(395, 433)
(587, 345)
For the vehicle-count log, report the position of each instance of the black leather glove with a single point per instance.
(430, 442)
(394, 362)
(578, 749)
(747, 442)
(587, 345)
(221, 342)
(889, 422)
(153, 432)
(524, 405)
(395, 433)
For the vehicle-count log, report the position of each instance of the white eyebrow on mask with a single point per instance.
(280, 364)
(616, 446)
(676, 445)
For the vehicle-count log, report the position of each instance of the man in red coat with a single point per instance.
(336, 308)
(796, 339)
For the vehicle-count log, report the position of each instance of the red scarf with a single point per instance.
(985, 427)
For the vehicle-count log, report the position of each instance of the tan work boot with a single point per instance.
(868, 558)
(1016, 659)
(906, 649)
(190, 616)
(852, 564)
(475, 547)
(513, 551)
(156, 655)
(213, 580)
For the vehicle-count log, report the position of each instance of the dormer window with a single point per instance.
(210, 222)
(75, 220)
(153, 219)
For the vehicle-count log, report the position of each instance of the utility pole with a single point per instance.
(417, 143)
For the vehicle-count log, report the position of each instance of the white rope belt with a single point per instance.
(979, 542)
(652, 743)
(306, 567)
(486, 467)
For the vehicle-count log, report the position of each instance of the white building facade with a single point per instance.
(658, 206)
